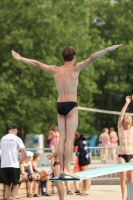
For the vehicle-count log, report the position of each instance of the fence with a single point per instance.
(95, 154)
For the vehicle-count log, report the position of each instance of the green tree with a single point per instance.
(114, 21)
(40, 30)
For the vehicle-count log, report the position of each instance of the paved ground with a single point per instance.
(97, 192)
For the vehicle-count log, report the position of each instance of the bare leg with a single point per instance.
(130, 174)
(76, 185)
(43, 172)
(8, 192)
(71, 127)
(15, 191)
(86, 182)
(114, 153)
(35, 187)
(102, 155)
(106, 154)
(46, 178)
(62, 138)
(123, 180)
(59, 185)
(68, 188)
(25, 178)
(30, 184)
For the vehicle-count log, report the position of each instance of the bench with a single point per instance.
(23, 189)
(22, 192)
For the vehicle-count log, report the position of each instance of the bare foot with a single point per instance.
(70, 173)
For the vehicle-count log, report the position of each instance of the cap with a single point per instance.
(30, 154)
(12, 126)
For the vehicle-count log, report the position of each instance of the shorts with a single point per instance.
(83, 161)
(1, 179)
(11, 175)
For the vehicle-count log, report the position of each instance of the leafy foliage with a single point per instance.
(40, 30)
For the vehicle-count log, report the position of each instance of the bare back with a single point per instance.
(113, 136)
(104, 137)
(126, 140)
(66, 80)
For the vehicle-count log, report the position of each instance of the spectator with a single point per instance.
(52, 136)
(125, 133)
(27, 174)
(59, 185)
(1, 175)
(104, 141)
(113, 143)
(84, 160)
(77, 167)
(44, 175)
(10, 146)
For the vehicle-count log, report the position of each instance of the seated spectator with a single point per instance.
(27, 174)
(44, 175)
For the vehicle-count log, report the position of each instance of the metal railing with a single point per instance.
(111, 157)
(95, 154)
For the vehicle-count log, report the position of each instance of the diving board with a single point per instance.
(92, 173)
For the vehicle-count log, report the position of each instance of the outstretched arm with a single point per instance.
(35, 63)
(95, 56)
(128, 100)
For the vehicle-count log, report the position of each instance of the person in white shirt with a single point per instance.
(10, 145)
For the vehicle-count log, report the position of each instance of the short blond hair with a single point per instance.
(127, 118)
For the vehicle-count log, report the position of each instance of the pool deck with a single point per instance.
(96, 192)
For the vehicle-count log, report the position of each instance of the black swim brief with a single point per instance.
(126, 157)
(64, 108)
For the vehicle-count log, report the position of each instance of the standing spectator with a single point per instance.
(113, 143)
(104, 141)
(84, 160)
(1, 175)
(10, 146)
(52, 136)
(53, 131)
(77, 167)
(59, 185)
